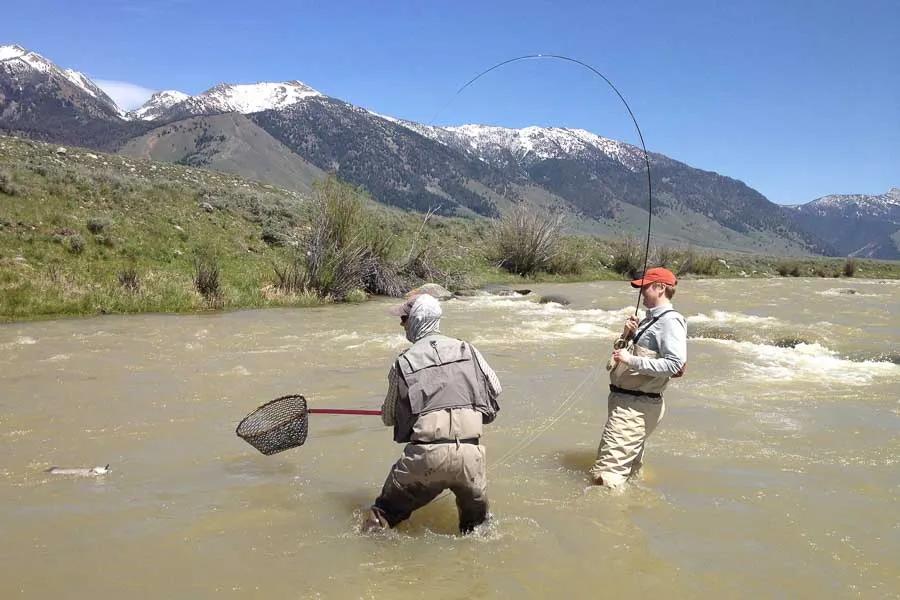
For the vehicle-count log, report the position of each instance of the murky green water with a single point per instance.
(774, 474)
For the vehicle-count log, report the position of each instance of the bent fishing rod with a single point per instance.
(637, 127)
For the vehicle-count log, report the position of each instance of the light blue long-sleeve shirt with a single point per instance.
(667, 337)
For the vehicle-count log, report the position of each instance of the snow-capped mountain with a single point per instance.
(241, 98)
(23, 66)
(855, 224)
(856, 205)
(158, 104)
(458, 170)
(500, 146)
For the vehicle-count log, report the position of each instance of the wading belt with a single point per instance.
(473, 441)
(618, 390)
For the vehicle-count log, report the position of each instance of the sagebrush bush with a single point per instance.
(75, 244)
(788, 268)
(527, 241)
(8, 186)
(98, 224)
(627, 256)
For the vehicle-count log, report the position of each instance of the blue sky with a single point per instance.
(797, 99)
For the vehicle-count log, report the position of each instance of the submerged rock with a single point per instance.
(556, 299)
(788, 342)
(432, 289)
(500, 290)
(467, 293)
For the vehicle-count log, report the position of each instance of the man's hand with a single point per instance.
(631, 325)
(623, 356)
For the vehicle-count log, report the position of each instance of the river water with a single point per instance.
(774, 473)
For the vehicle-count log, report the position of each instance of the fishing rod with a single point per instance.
(637, 127)
(284, 422)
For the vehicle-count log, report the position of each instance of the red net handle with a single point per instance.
(343, 411)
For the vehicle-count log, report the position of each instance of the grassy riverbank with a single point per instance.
(86, 233)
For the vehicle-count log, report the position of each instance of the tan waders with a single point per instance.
(426, 470)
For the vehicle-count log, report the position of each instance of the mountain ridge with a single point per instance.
(468, 169)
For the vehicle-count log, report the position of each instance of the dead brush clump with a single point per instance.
(206, 278)
(129, 279)
(422, 267)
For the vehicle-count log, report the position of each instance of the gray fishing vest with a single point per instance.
(439, 373)
(623, 376)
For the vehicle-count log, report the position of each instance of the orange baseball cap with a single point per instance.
(656, 275)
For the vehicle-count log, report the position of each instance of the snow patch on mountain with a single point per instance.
(529, 144)
(11, 51)
(157, 104)
(859, 205)
(246, 98)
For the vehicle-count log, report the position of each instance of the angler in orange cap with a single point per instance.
(648, 353)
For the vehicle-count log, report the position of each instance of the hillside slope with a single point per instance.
(230, 143)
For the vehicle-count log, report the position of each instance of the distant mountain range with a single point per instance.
(290, 134)
(856, 224)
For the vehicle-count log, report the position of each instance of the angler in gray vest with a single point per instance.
(440, 392)
(644, 358)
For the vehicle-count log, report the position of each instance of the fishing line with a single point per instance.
(630, 114)
(559, 413)
(537, 432)
(563, 408)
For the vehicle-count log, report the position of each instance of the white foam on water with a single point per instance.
(778, 421)
(724, 317)
(57, 358)
(807, 362)
(542, 322)
(239, 370)
(23, 340)
(845, 293)
(389, 341)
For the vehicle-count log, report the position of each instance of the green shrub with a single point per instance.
(850, 267)
(698, 263)
(567, 262)
(346, 247)
(290, 277)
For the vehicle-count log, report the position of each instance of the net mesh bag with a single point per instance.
(276, 426)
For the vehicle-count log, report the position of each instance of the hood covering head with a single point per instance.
(423, 316)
